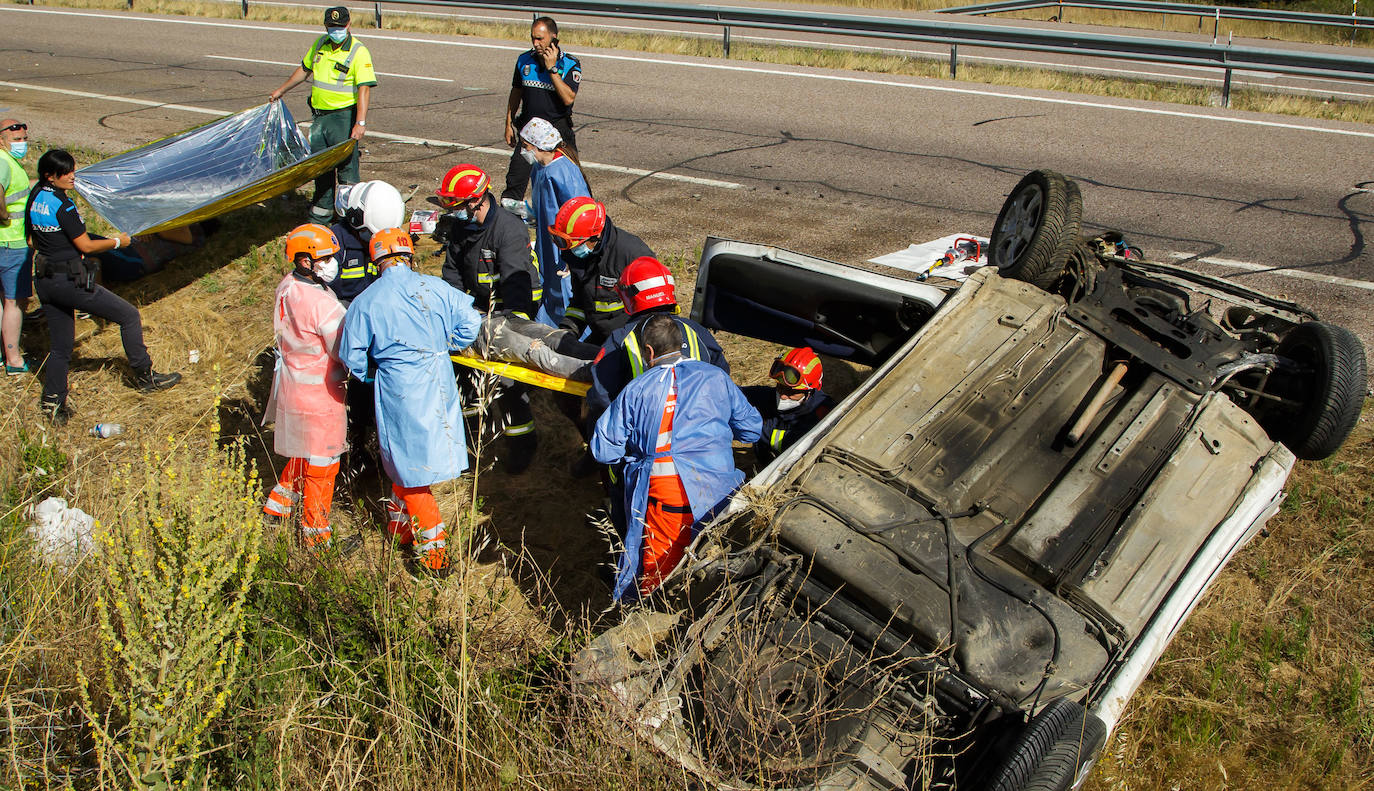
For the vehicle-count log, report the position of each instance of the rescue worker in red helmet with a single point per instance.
(487, 255)
(307, 402)
(793, 406)
(646, 288)
(672, 429)
(596, 252)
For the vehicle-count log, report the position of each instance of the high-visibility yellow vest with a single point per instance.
(336, 73)
(16, 199)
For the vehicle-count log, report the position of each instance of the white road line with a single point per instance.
(1297, 274)
(660, 175)
(297, 63)
(639, 59)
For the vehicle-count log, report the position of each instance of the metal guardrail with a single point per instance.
(954, 34)
(1176, 9)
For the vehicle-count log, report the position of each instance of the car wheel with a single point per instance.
(1048, 752)
(784, 705)
(1037, 228)
(1327, 389)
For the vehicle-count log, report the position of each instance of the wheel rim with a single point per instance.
(1021, 222)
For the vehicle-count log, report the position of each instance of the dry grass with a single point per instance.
(709, 45)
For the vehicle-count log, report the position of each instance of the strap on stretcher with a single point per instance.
(520, 373)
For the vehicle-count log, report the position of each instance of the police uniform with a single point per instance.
(782, 429)
(539, 99)
(337, 71)
(356, 270)
(595, 303)
(491, 262)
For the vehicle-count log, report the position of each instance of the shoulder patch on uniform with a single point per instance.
(577, 76)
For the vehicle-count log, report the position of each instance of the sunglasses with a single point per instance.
(785, 373)
(15, 128)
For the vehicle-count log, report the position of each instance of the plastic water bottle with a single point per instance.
(106, 430)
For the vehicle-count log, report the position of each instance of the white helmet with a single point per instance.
(373, 205)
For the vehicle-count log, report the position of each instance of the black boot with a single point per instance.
(58, 413)
(149, 380)
(520, 452)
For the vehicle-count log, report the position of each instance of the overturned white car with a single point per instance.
(961, 576)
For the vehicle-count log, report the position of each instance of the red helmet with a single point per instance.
(645, 284)
(578, 220)
(799, 369)
(390, 242)
(313, 240)
(463, 183)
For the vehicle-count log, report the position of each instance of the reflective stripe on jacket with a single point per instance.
(710, 412)
(16, 199)
(307, 400)
(337, 72)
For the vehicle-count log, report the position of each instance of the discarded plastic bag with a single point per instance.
(61, 534)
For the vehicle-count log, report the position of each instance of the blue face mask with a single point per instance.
(337, 34)
(581, 251)
(461, 215)
(18, 150)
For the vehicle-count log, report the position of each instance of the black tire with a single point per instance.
(1037, 228)
(1328, 383)
(1077, 745)
(1035, 742)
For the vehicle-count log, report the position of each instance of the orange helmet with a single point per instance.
(463, 183)
(799, 369)
(312, 239)
(578, 220)
(645, 284)
(390, 242)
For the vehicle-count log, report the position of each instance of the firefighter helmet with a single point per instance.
(390, 242)
(462, 183)
(578, 220)
(799, 369)
(313, 240)
(373, 205)
(645, 283)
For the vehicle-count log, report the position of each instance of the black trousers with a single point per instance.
(511, 398)
(518, 174)
(61, 297)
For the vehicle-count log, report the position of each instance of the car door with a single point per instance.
(839, 310)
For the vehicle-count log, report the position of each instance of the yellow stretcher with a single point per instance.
(521, 373)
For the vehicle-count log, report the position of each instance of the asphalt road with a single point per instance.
(841, 164)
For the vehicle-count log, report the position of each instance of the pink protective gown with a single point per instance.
(308, 388)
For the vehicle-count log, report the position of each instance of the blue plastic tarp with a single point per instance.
(205, 171)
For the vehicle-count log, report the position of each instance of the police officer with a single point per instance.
(793, 406)
(340, 68)
(544, 86)
(487, 255)
(595, 251)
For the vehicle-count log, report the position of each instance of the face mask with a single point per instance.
(528, 154)
(785, 405)
(461, 215)
(581, 251)
(18, 150)
(338, 34)
(327, 270)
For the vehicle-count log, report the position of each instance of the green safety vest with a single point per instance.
(636, 354)
(329, 69)
(16, 199)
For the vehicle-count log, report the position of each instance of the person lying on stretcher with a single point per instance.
(510, 338)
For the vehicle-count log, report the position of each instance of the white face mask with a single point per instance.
(327, 270)
(787, 405)
(528, 154)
